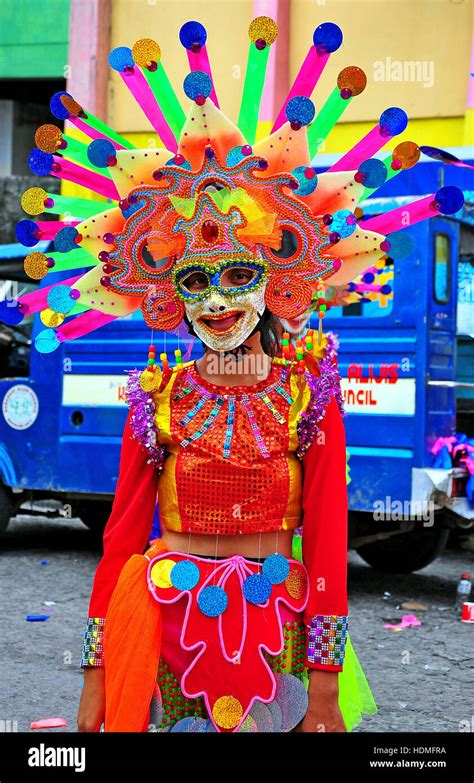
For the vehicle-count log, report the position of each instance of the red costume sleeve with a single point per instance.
(126, 533)
(325, 542)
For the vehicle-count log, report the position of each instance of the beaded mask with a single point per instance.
(210, 195)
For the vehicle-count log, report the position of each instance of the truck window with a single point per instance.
(442, 268)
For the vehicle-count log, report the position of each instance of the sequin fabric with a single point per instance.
(327, 637)
(92, 650)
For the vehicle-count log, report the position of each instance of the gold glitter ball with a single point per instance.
(263, 28)
(32, 201)
(72, 106)
(150, 381)
(160, 573)
(50, 318)
(35, 265)
(295, 583)
(48, 138)
(146, 51)
(227, 712)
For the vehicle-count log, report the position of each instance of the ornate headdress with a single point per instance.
(213, 197)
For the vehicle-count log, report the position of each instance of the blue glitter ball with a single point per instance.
(40, 162)
(234, 157)
(257, 588)
(10, 312)
(184, 575)
(99, 151)
(401, 245)
(25, 233)
(121, 58)
(374, 173)
(450, 199)
(300, 109)
(307, 184)
(340, 224)
(59, 300)
(56, 106)
(197, 83)
(276, 568)
(46, 341)
(212, 601)
(192, 33)
(64, 239)
(190, 725)
(393, 121)
(328, 37)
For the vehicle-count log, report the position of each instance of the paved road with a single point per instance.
(421, 677)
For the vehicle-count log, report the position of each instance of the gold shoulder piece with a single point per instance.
(150, 381)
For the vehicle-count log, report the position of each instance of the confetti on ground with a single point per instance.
(48, 723)
(406, 621)
(37, 618)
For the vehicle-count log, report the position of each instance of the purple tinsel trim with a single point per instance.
(142, 420)
(322, 388)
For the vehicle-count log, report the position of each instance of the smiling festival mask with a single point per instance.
(209, 194)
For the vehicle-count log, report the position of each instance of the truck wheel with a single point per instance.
(6, 507)
(406, 552)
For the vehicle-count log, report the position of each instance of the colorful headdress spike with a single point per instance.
(211, 194)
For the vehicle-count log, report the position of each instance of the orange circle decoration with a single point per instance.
(408, 153)
(296, 583)
(288, 296)
(162, 308)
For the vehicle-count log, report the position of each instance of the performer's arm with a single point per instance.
(126, 533)
(325, 543)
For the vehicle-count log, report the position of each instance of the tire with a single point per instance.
(406, 552)
(6, 507)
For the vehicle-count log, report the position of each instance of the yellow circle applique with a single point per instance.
(227, 712)
(160, 573)
(295, 583)
(150, 381)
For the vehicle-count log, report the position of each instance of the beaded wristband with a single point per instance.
(92, 650)
(327, 636)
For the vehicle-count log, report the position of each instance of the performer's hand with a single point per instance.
(91, 713)
(323, 713)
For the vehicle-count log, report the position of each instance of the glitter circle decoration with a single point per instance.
(212, 601)
(234, 157)
(156, 708)
(344, 222)
(450, 199)
(72, 106)
(353, 79)
(40, 162)
(407, 153)
(196, 84)
(307, 178)
(300, 110)
(275, 711)
(50, 318)
(150, 381)
(57, 107)
(121, 58)
(145, 52)
(327, 38)
(46, 341)
(249, 726)
(35, 266)
(393, 121)
(262, 28)
(48, 138)
(296, 583)
(276, 568)
(257, 588)
(373, 173)
(262, 716)
(191, 725)
(26, 233)
(227, 712)
(11, 312)
(288, 296)
(185, 574)
(292, 698)
(32, 201)
(400, 245)
(100, 151)
(65, 239)
(193, 35)
(162, 308)
(59, 299)
(160, 573)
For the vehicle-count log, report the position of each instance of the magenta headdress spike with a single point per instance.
(193, 37)
(64, 107)
(38, 300)
(49, 340)
(392, 122)
(121, 60)
(29, 230)
(45, 164)
(327, 38)
(446, 201)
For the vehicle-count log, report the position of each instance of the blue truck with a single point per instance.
(407, 375)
